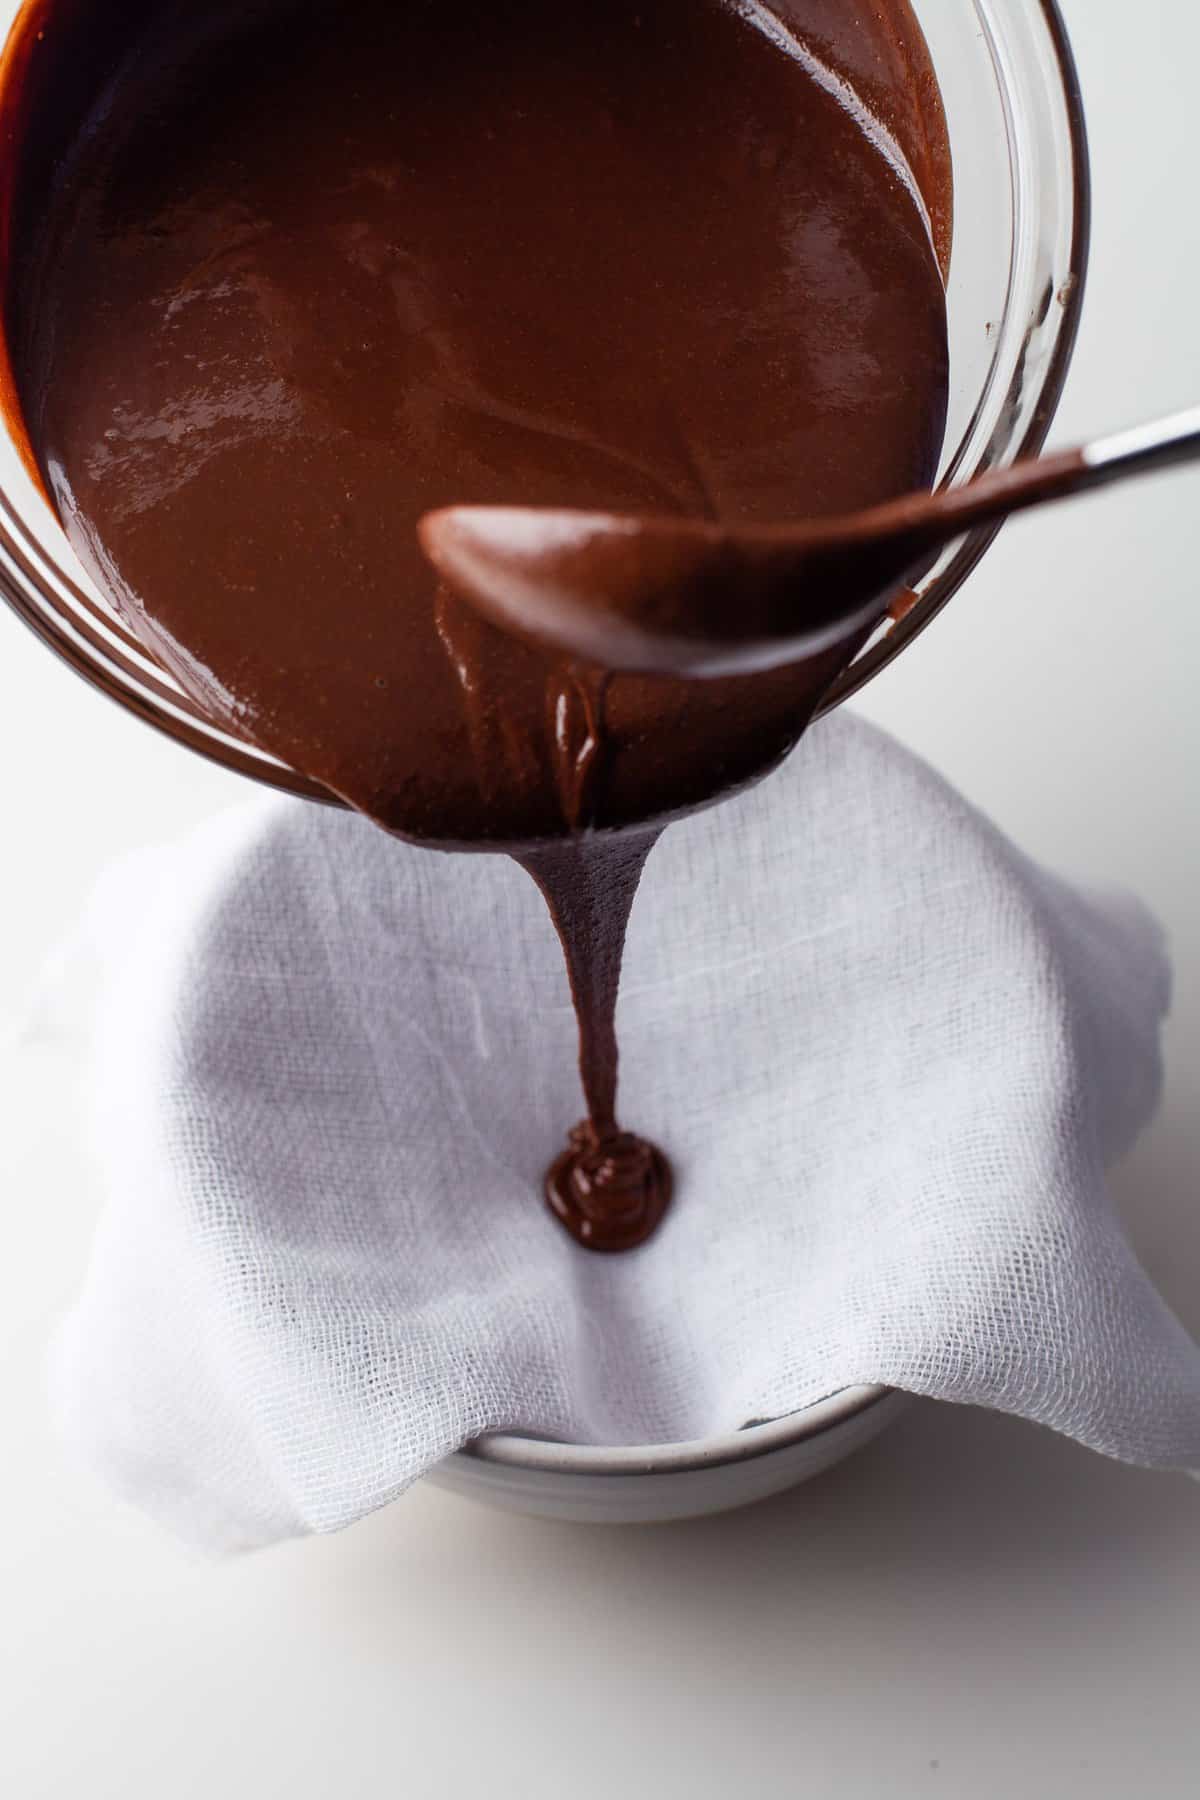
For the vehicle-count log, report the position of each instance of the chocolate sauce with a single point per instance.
(608, 1187)
(284, 275)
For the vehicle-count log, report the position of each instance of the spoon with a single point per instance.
(679, 596)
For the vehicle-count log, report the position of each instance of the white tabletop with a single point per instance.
(972, 1607)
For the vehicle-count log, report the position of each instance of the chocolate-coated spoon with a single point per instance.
(686, 597)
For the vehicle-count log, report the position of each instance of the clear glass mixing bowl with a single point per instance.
(1016, 287)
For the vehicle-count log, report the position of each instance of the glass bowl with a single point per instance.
(1016, 288)
(1015, 294)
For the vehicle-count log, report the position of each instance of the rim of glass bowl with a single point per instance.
(1057, 275)
(1013, 415)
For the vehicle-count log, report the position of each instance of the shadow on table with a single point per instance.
(950, 1501)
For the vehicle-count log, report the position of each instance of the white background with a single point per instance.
(972, 1608)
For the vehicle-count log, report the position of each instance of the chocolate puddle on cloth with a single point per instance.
(283, 275)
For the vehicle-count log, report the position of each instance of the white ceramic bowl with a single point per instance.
(649, 1484)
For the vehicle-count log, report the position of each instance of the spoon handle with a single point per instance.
(1036, 482)
(1160, 446)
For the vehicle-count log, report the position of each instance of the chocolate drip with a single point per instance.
(609, 1187)
(611, 1193)
(577, 731)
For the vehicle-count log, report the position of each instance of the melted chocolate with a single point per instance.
(283, 275)
(608, 1187)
